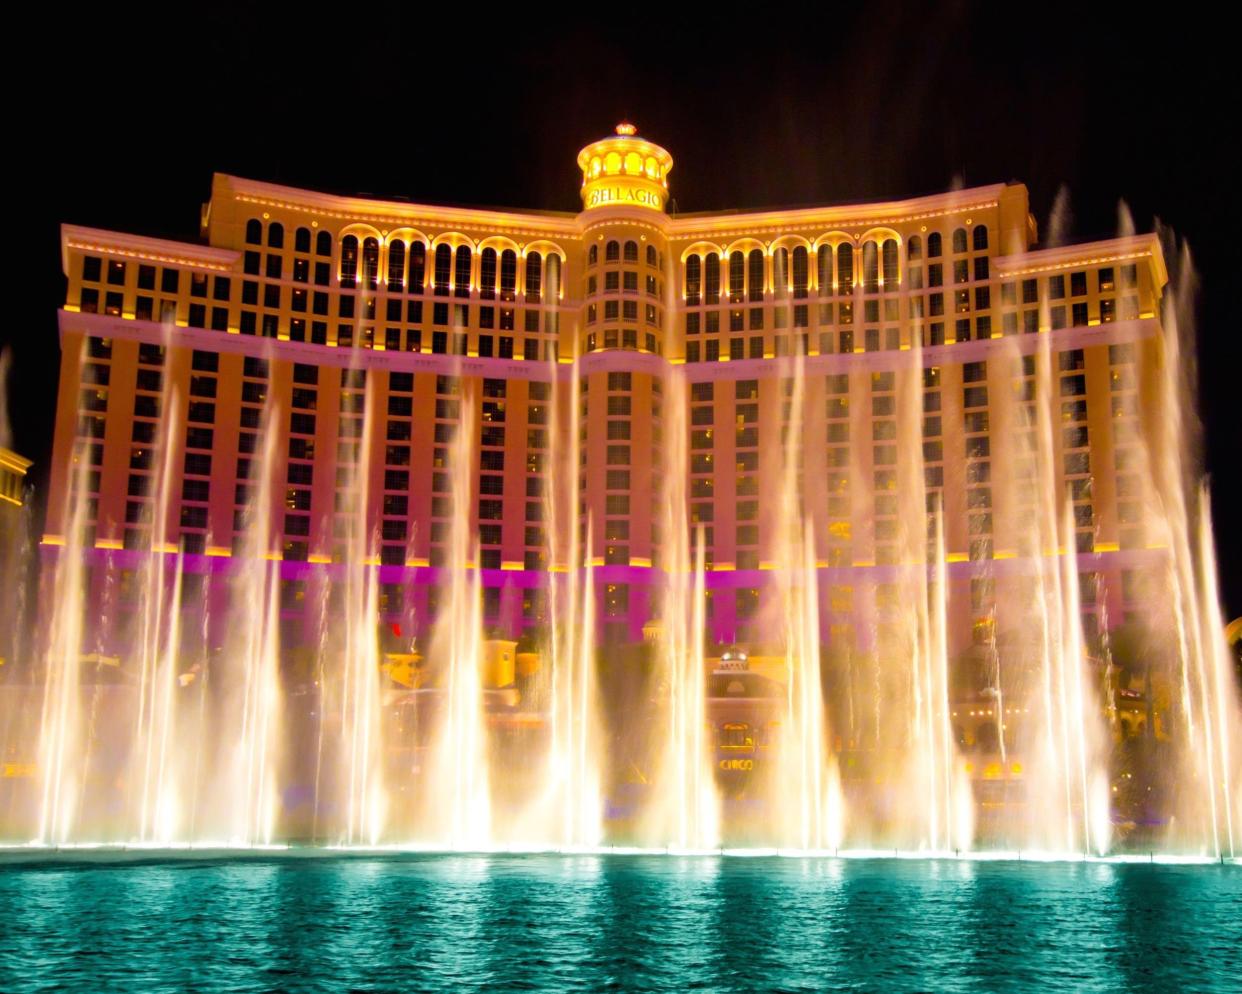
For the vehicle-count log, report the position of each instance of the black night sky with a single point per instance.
(120, 121)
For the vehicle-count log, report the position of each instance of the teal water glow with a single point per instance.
(437, 923)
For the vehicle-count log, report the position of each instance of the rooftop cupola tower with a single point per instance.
(624, 170)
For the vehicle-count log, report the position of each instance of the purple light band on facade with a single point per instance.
(154, 333)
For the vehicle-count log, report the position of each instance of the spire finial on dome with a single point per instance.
(625, 128)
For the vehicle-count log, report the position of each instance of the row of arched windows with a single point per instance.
(978, 239)
(835, 270)
(452, 270)
(615, 251)
(790, 274)
(276, 237)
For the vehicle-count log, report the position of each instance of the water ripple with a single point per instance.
(621, 923)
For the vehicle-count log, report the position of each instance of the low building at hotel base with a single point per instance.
(582, 343)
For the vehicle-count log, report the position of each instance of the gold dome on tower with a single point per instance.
(624, 171)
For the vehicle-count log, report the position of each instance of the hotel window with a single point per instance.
(418, 263)
(800, 275)
(755, 277)
(980, 237)
(1078, 284)
(349, 261)
(845, 269)
(737, 277)
(612, 251)
(694, 276)
(871, 267)
(443, 267)
(534, 277)
(959, 240)
(711, 279)
(934, 245)
(824, 270)
(370, 263)
(889, 252)
(396, 266)
(631, 251)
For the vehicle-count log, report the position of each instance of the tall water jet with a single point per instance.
(458, 797)
(154, 769)
(361, 744)
(251, 693)
(805, 791)
(938, 805)
(1209, 764)
(1066, 745)
(62, 741)
(687, 804)
(571, 779)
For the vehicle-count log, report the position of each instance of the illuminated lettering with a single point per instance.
(607, 195)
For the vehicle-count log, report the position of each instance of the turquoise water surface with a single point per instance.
(626, 923)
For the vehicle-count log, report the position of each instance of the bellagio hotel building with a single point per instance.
(303, 304)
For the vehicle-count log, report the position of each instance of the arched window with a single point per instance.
(824, 270)
(254, 231)
(694, 281)
(461, 273)
(534, 278)
(487, 274)
(301, 240)
(418, 266)
(980, 237)
(276, 235)
(871, 267)
(754, 278)
(552, 285)
(914, 247)
(508, 275)
(959, 240)
(370, 262)
(612, 251)
(711, 279)
(933, 245)
(631, 251)
(737, 277)
(323, 243)
(780, 273)
(652, 257)
(396, 266)
(443, 268)
(889, 254)
(349, 261)
(801, 274)
(593, 255)
(845, 268)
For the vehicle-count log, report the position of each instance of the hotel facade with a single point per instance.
(643, 356)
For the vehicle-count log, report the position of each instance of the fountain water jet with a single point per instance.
(687, 804)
